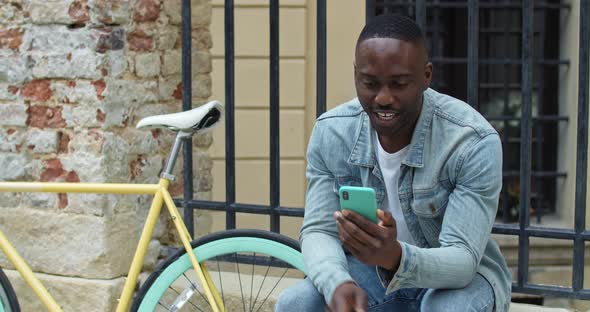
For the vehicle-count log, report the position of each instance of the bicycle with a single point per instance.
(171, 286)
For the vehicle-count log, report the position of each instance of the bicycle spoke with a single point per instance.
(220, 281)
(275, 286)
(252, 285)
(165, 307)
(240, 280)
(194, 286)
(262, 283)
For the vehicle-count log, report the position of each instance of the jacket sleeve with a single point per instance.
(324, 259)
(466, 227)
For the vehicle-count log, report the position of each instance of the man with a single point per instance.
(436, 167)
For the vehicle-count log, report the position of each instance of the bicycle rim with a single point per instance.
(8, 301)
(248, 267)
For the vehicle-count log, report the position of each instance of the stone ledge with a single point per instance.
(71, 244)
(520, 307)
(72, 294)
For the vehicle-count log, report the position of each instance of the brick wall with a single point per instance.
(75, 77)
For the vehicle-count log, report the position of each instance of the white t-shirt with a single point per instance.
(390, 168)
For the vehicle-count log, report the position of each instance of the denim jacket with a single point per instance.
(448, 188)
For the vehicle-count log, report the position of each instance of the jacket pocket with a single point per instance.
(431, 204)
(346, 181)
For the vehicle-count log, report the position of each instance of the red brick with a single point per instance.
(10, 131)
(140, 41)
(45, 117)
(99, 86)
(38, 90)
(177, 94)
(11, 38)
(146, 10)
(64, 142)
(71, 84)
(79, 11)
(63, 200)
(100, 116)
(52, 170)
(72, 176)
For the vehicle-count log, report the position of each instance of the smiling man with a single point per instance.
(436, 167)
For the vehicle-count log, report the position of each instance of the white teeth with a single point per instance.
(386, 116)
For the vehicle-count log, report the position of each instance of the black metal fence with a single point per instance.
(535, 65)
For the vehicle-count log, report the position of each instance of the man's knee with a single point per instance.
(302, 296)
(478, 296)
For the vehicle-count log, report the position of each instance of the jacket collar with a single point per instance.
(363, 151)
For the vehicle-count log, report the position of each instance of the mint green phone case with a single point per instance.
(360, 200)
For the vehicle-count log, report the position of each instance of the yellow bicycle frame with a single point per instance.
(161, 195)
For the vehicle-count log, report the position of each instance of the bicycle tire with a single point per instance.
(8, 300)
(171, 279)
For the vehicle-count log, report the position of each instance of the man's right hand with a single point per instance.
(348, 297)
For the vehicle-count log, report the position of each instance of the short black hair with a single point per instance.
(395, 26)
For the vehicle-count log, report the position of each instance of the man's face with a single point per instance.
(390, 76)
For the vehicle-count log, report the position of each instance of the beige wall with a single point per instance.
(297, 96)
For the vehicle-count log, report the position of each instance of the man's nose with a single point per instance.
(384, 96)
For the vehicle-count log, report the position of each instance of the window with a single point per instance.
(499, 88)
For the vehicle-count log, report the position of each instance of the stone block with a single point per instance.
(75, 91)
(152, 254)
(49, 11)
(168, 37)
(82, 116)
(42, 141)
(13, 166)
(73, 294)
(110, 12)
(127, 92)
(147, 65)
(116, 63)
(171, 65)
(44, 201)
(200, 12)
(11, 140)
(60, 38)
(108, 242)
(13, 68)
(202, 86)
(13, 115)
(8, 92)
(88, 166)
(11, 13)
(87, 141)
(81, 64)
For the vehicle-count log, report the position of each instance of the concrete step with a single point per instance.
(521, 307)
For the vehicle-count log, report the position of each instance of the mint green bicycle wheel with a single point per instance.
(248, 267)
(8, 301)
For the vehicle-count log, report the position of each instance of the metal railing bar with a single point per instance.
(244, 208)
(473, 53)
(537, 174)
(420, 7)
(484, 5)
(526, 134)
(321, 59)
(275, 161)
(582, 149)
(187, 95)
(230, 155)
(564, 292)
(496, 61)
(536, 118)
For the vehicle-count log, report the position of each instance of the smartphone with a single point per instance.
(360, 200)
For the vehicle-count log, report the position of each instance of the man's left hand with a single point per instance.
(373, 244)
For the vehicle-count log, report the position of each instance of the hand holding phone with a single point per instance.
(360, 200)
